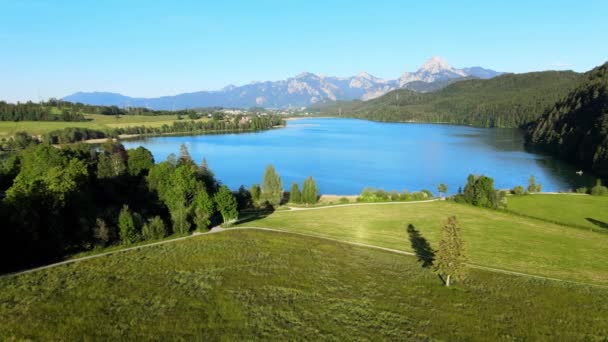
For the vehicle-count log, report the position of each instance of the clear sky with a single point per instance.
(152, 48)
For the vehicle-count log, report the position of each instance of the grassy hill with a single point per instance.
(509, 100)
(252, 285)
(493, 238)
(588, 212)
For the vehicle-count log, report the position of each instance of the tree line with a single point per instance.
(58, 110)
(76, 134)
(58, 201)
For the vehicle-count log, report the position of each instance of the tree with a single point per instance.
(154, 229)
(532, 186)
(126, 226)
(203, 209)
(255, 192)
(104, 167)
(140, 161)
(442, 189)
(272, 187)
(184, 155)
(480, 192)
(450, 257)
(226, 204)
(310, 193)
(295, 196)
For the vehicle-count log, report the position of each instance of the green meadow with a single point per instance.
(493, 238)
(255, 285)
(583, 211)
(95, 121)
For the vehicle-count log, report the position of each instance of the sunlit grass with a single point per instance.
(251, 285)
(492, 238)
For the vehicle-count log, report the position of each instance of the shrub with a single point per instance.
(344, 200)
(154, 229)
(582, 190)
(599, 189)
(518, 190)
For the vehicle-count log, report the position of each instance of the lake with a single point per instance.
(346, 155)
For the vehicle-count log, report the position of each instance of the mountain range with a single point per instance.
(302, 90)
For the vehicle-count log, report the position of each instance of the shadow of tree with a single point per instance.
(598, 223)
(253, 215)
(421, 247)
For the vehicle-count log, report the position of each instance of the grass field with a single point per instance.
(252, 285)
(97, 121)
(577, 210)
(492, 238)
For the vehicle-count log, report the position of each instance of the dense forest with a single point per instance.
(510, 100)
(576, 128)
(57, 201)
(57, 110)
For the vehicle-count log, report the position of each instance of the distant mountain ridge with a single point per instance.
(302, 90)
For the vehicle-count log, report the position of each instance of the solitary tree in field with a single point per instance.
(295, 196)
(449, 258)
(442, 188)
(272, 187)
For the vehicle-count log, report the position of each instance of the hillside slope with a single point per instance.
(510, 100)
(252, 285)
(576, 128)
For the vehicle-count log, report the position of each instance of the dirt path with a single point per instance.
(356, 204)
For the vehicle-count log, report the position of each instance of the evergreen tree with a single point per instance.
(310, 193)
(272, 187)
(450, 257)
(226, 204)
(184, 155)
(295, 196)
(203, 209)
(126, 226)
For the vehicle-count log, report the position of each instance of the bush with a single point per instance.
(344, 200)
(599, 189)
(582, 190)
(154, 229)
(518, 190)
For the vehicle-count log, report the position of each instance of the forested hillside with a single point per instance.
(576, 128)
(510, 100)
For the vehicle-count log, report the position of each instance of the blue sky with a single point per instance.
(152, 48)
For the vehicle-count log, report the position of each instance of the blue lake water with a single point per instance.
(346, 155)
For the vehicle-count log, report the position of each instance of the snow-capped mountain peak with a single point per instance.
(435, 64)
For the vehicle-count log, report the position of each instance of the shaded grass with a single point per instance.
(580, 211)
(492, 238)
(261, 285)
